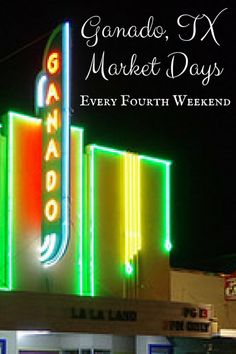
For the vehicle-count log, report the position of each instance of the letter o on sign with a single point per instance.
(51, 210)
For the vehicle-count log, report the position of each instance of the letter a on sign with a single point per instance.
(53, 106)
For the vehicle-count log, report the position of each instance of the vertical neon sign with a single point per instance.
(53, 104)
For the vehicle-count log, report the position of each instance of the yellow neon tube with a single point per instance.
(132, 208)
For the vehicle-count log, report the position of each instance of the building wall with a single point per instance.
(197, 287)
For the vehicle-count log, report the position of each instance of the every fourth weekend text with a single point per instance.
(126, 100)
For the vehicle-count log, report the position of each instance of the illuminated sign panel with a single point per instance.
(75, 254)
(52, 104)
(20, 196)
(23, 199)
(129, 220)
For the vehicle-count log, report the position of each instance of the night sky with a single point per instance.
(199, 140)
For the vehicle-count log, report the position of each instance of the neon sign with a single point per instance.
(52, 104)
(139, 219)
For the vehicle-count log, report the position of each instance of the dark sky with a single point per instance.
(199, 140)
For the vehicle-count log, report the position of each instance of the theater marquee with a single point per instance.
(60, 313)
